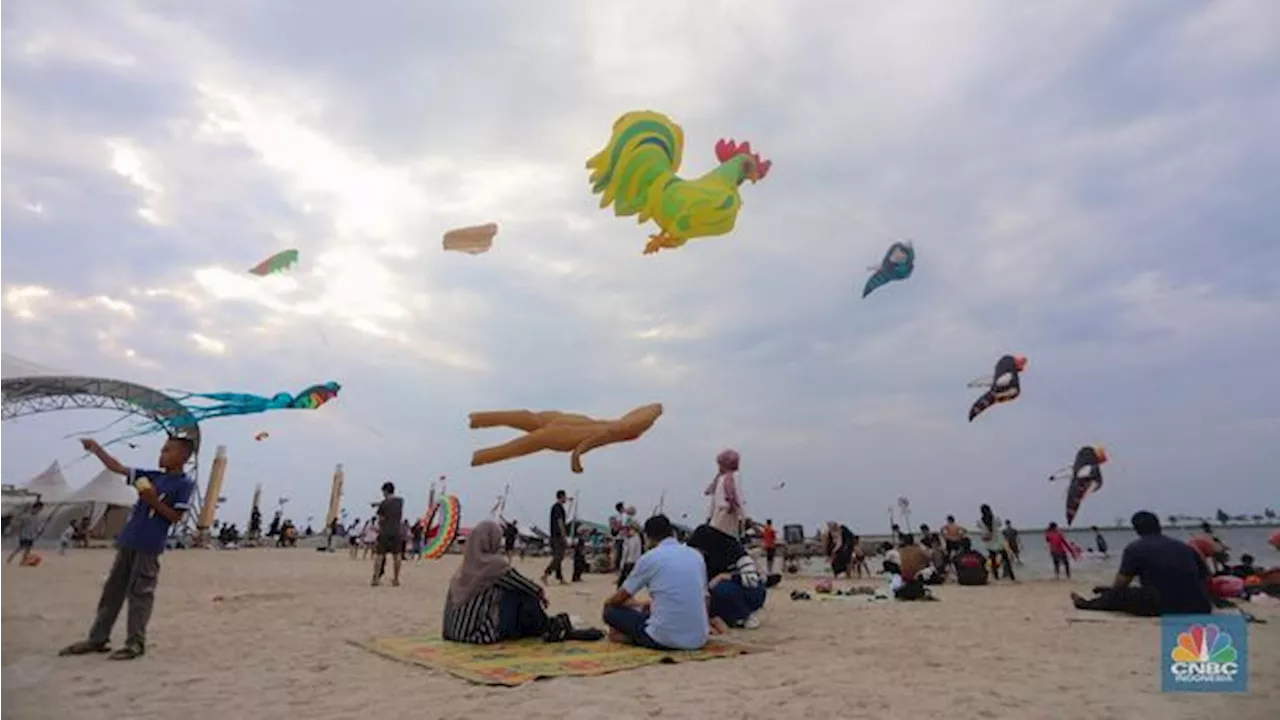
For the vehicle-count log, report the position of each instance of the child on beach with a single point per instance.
(632, 549)
(993, 541)
(580, 555)
(1100, 542)
(28, 530)
(163, 497)
(1059, 550)
(68, 535)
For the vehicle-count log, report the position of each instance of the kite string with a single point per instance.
(360, 418)
(108, 426)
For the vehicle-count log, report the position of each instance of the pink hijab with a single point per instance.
(482, 563)
(728, 461)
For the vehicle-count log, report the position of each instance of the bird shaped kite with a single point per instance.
(636, 174)
(898, 263)
(1085, 476)
(1003, 385)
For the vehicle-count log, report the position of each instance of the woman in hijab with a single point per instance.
(489, 601)
(840, 547)
(737, 590)
(993, 541)
(726, 498)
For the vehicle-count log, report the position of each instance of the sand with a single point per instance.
(277, 643)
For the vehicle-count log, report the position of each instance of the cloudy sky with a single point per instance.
(1092, 185)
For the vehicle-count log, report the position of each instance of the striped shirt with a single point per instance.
(476, 621)
(747, 572)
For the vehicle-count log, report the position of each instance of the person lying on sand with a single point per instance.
(675, 617)
(1171, 575)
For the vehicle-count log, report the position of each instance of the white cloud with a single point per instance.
(1055, 207)
(209, 345)
(22, 301)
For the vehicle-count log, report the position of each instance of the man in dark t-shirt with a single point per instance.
(559, 531)
(510, 533)
(389, 542)
(970, 565)
(1171, 573)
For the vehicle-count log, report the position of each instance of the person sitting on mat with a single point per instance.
(970, 565)
(736, 588)
(489, 601)
(675, 616)
(1172, 576)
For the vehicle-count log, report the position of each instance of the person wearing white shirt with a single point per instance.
(675, 616)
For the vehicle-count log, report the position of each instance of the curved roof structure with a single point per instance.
(32, 394)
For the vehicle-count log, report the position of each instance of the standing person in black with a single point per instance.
(840, 541)
(510, 533)
(1171, 574)
(559, 538)
(389, 542)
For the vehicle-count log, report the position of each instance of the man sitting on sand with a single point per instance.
(971, 566)
(1171, 573)
(675, 616)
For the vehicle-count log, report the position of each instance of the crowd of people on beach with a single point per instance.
(672, 590)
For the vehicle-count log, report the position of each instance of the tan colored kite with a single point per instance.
(561, 432)
(471, 240)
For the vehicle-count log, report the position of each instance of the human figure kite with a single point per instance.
(561, 432)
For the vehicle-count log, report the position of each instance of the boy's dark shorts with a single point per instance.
(388, 544)
(26, 544)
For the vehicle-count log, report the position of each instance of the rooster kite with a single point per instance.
(898, 263)
(1004, 384)
(1085, 475)
(636, 173)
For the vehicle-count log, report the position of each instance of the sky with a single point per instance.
(1090, 185)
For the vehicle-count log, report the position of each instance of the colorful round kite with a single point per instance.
(440, 538)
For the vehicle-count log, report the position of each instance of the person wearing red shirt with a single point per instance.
(769, 541)
(1059, 550)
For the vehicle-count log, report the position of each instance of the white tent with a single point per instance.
(50, 485)
(106, 491)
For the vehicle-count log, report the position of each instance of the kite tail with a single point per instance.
(643, 153)
(981, 404)
(877, 279)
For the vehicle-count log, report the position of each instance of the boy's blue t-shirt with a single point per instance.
(146, 531)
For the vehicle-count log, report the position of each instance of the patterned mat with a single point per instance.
(516, 663)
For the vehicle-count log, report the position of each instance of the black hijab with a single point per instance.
(720, 550)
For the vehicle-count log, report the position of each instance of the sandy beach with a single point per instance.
(276, 642)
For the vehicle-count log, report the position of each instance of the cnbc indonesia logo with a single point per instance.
(1204, 654)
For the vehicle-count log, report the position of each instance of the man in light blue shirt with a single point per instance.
(675, 616)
